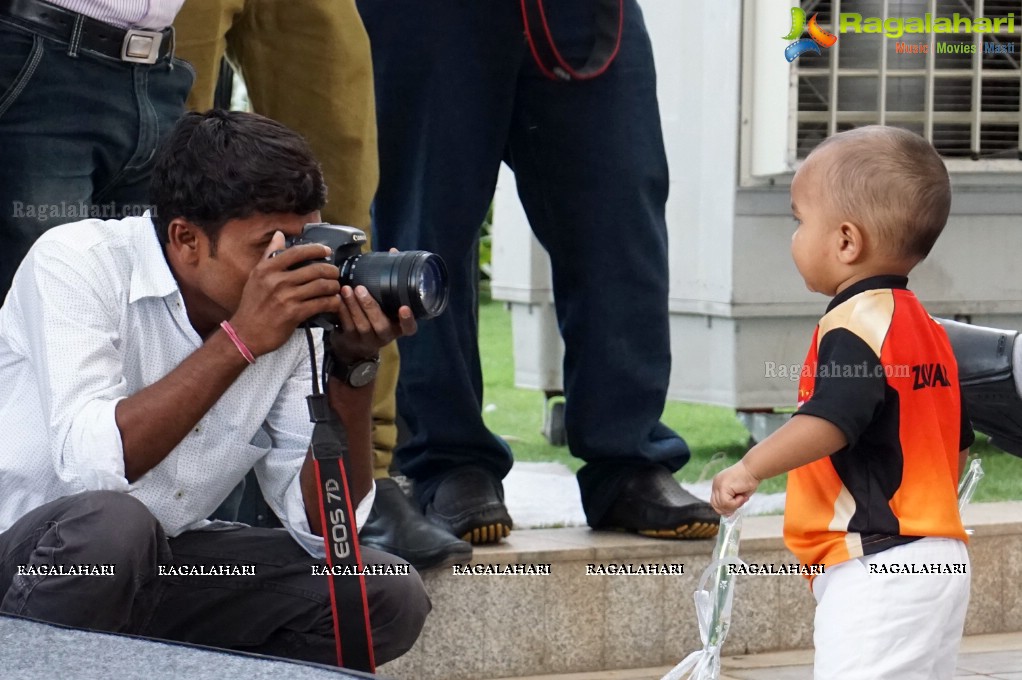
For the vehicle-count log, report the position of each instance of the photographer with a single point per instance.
(149, 370)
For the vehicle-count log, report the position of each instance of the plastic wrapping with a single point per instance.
(967, 487)
(713, 601)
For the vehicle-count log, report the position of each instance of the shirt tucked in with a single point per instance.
(148, 14)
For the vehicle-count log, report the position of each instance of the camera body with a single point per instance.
(345, 241)
(415, 278)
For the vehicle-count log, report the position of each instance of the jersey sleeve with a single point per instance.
(849, 385)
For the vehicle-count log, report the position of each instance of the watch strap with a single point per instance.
(343, 371)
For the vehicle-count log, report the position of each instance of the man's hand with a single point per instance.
(732, 488)
(365, 328)
(277, 299)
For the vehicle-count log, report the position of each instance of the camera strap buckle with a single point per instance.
(319, 408)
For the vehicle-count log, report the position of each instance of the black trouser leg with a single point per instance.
(87, 529)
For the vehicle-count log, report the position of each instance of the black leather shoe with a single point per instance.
(469, 502)
(652, 503)
(396, 527)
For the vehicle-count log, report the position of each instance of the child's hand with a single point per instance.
(732, 487)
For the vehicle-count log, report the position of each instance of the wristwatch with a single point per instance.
(358, 373)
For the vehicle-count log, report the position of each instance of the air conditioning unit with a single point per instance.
(959, 90)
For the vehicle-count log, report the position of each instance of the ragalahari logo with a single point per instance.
(817, 36)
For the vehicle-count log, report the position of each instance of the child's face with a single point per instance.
(814, 243)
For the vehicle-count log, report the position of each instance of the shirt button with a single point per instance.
(179, 494)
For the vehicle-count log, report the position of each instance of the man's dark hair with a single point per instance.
(223, 165)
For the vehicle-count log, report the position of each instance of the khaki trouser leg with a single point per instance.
(306, 64)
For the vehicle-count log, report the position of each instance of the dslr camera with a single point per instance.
(416, 278)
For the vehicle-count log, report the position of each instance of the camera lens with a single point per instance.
(416, 278)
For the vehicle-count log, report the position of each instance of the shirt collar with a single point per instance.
(151, 275)
(872, 283)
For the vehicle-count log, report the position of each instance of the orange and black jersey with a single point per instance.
(881, 370)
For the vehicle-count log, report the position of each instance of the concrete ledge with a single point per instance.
(498, 626)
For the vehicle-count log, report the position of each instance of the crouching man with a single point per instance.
(147, 365)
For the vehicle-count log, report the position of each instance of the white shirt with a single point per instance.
(95, 315)
(148, 14)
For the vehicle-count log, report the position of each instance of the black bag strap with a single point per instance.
(610, 20)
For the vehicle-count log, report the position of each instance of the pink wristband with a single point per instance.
(245, 351)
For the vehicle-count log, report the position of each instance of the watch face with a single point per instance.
(362, 374)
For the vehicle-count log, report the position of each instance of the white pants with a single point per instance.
(872, 625)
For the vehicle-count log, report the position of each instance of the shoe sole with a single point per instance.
(487, 533)
(695, 530)
(684, 532)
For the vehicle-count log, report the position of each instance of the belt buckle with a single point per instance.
(141, 47)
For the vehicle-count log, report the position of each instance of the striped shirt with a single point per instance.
(149, 14)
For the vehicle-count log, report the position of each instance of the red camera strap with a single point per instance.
(352, 632)
(610, 21)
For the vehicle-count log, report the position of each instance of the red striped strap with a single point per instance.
(352, 632)
(610, 21)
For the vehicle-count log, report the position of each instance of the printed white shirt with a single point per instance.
(95, 315)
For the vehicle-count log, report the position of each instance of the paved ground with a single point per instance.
(982, 657)
(30, 650)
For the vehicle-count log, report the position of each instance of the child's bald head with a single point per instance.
(888, 181)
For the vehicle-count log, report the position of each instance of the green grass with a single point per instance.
(713, 433)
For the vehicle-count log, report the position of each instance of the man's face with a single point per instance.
(242, 243)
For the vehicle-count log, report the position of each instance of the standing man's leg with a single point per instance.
(445, 78)
(86, 153)
(200, 31)
(592, 173)
(307, 65)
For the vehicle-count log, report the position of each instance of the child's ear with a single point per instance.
(851, 243)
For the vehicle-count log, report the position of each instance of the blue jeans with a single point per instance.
(78, 135)
(457, 93)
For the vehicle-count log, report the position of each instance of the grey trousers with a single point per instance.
(279, 607)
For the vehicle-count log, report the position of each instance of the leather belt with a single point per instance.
(85, 33)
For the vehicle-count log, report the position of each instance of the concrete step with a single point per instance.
(487, 626)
